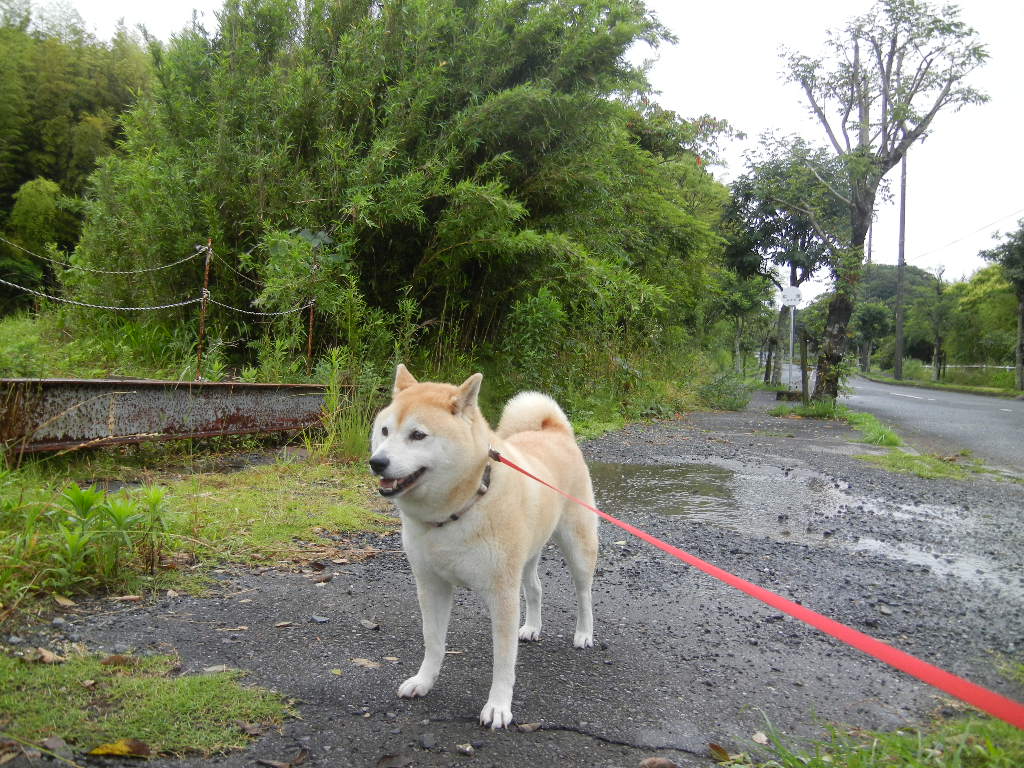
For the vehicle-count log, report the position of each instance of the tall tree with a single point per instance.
(1009, 255)
(871, 321)
(782, 218)
(887, 76)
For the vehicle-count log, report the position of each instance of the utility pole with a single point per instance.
(897, 363)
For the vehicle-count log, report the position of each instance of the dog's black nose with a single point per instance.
(379, 463)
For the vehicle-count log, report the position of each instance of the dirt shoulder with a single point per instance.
(934, 567)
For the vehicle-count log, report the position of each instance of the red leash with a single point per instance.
(989, 701)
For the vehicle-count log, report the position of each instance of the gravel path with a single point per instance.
(933, 567)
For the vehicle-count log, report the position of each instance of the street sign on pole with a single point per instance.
(790, 298)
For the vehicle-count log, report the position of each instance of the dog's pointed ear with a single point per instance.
(403, 379)
(467, 395)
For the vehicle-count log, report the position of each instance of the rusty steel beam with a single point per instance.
(58, 414)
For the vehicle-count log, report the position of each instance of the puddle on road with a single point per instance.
(794, 505)
(701, 492)
(788, 506)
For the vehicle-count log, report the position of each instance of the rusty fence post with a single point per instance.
(309, 339)
(202, 309)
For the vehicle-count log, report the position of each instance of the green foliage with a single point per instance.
(60, 90)
(726, 392)
(457, 163)
(83, 539)
(887, 75)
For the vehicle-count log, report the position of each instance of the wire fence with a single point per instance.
(203, 299)
(68, 265)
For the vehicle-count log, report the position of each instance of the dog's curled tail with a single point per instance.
(532, 411)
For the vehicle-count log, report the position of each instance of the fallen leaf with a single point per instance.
(529, 727)
(719, 753)
(120, 660)
(283, 624)
(90, 684)
(123, 748)
(6, 757)
(216, 668)
(245, 600)
(759, 738)
(250, 729)
(53, 743)
(658, 762)
(340, 561)
(231, 629)
(454, 653)
(126, 599)
(300, 757)
(365, 663)
(335, 671)
(44, 656)
(392, 659)
(64, 602)
(171, 593)
(369, 624)
(321, 578)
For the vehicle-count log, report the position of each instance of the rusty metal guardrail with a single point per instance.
(58, 414)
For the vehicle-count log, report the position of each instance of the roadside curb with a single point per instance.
(926, 385)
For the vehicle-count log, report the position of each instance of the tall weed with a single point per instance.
(79, 539)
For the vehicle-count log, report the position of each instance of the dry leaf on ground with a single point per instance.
(124, 748)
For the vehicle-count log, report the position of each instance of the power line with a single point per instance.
(964, 237)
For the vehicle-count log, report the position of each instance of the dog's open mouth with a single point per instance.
(390, 486)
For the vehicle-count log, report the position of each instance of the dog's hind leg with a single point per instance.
(576, 535)
(503, 605)
(435, 597)
(534, 592)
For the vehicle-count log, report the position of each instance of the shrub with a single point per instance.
(727, 392)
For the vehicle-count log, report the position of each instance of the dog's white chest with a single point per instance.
(447, 555)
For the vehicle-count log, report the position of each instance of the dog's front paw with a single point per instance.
(415, 686)
(496, 715)
(583, 640)
(526, 632)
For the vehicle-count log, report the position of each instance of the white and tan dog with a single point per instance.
(469, 521)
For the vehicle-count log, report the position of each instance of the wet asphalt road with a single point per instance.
(992, 428)
(933, 567)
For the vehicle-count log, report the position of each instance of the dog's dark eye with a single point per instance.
(384, 431)
(417, 435)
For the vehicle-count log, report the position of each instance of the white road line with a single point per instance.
(916, 397)
(1007, 410)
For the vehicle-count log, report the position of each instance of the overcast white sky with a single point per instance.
(964, 183)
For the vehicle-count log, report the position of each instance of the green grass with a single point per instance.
(973, 742)
(872, 430)
(263, 511)
(57, 538)
(928, 466)
(140, 699)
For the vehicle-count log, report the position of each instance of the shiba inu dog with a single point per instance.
(470, 521)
